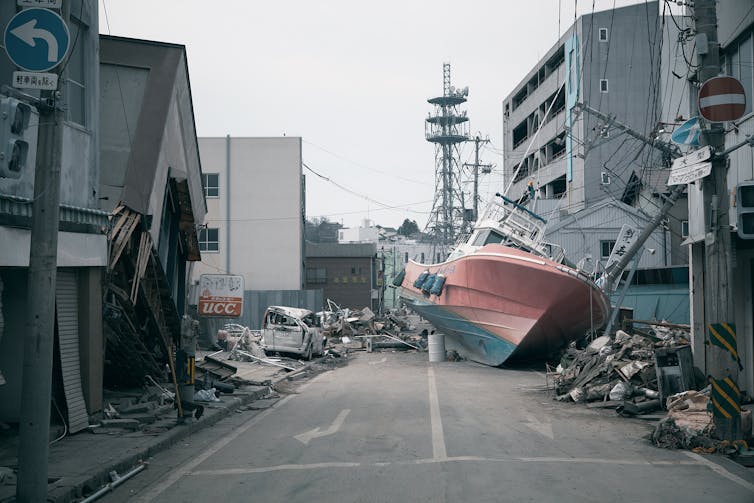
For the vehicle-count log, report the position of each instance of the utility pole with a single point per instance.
(718, 271)
(485, 169)
(34, 426)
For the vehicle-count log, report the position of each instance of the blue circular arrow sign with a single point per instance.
(36, 40)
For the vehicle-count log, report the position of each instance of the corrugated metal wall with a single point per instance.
(67, 303)
(255, 303)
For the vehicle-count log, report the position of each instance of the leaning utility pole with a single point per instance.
(486, 168)
(718, 271)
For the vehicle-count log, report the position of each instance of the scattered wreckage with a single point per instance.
(638, 375)
(363, 329)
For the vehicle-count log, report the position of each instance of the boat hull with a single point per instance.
(500, 303)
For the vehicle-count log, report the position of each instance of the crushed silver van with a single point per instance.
(292, 330)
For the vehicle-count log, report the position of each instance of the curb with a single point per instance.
(76, 489)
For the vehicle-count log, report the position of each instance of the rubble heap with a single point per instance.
(359, 329)
(619, 370)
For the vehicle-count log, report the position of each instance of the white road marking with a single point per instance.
(438, 437)
(541, 427)
(384, 359)
(310, 435)
(720, 470)
(187, 467)
(432, 461)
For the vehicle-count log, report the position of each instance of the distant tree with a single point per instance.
(321, 230)
(408, 227)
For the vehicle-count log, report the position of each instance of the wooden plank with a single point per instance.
(124, 238)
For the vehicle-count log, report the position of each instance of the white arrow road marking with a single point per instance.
(384, 359)
(308, 436)
(540, 427)
(28, 32)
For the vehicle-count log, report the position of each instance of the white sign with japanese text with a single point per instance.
(626, 238)
(35, 80)
(220, 295)
(690, 173)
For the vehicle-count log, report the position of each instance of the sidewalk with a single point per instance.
(80, 464)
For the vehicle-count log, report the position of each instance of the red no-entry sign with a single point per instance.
(722, 99)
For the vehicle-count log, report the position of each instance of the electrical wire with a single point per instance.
(62, 419)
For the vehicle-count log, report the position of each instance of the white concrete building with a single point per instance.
(365, 233)
(255, 211)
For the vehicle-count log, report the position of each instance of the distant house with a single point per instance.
(347, 273)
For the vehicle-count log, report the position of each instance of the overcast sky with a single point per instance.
(352, 78)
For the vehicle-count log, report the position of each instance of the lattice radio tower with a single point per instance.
(446, 127)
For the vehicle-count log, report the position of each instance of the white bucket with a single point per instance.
(436, 347)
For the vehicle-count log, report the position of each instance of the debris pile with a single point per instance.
(619, 372)
(688, 424)
(363, 329)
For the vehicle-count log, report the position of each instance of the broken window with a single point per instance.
(631, 192)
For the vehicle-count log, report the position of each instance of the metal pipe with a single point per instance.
(385, 334)
(263, 360)
(117, 480)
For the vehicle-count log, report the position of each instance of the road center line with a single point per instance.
(720, 470)
(438, 437)
(187, 467)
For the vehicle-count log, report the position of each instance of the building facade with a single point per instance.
(82, 241)
(151, 183)
(255, 211)
(346, 273)
(572, 158)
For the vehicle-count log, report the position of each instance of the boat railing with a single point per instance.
(516, 221)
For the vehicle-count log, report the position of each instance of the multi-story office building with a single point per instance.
(589, 176)
(255, 211)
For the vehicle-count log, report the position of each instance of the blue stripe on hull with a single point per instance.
(469, 340)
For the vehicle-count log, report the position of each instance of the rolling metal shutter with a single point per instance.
(67, 302)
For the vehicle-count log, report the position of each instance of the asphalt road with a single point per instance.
(390, 427)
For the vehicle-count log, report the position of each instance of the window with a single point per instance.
(316, 275)
(605, 178)
(684, 228)
(738, 63)
(209, 239)
(422, 259)
(405, 258)
(605, 248)
(603, 85)
(75, 73)
(603, 34)
(211, 184)
(571, 69)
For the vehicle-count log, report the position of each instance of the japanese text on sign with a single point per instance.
(220, 295)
